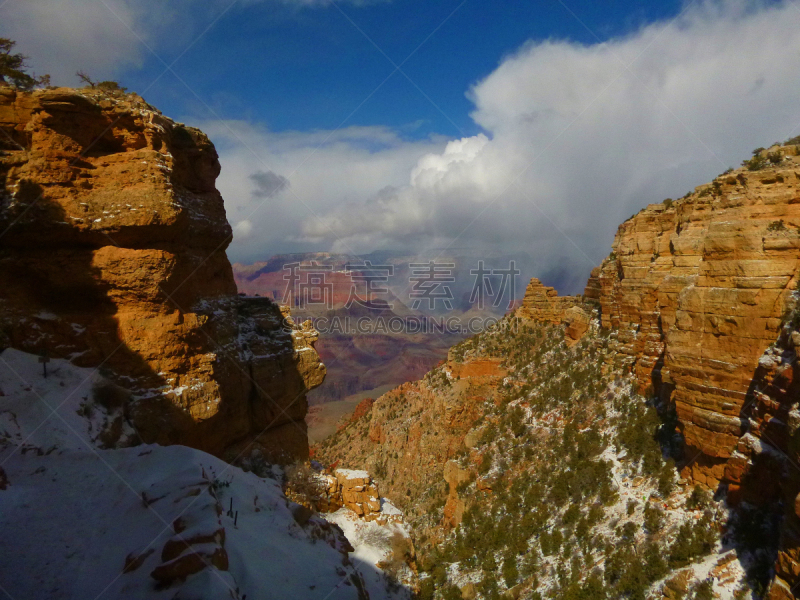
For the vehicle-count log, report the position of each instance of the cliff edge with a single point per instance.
(112, 255)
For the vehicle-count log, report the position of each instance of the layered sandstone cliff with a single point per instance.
(542, 304)
(697, 291)
(112, 254)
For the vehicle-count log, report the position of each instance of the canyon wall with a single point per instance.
(701, 292)
(700, 296)
(112, 254)
(697, 290)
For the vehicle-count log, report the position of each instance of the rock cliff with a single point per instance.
(700, 292)
(697, 289)
(699, 296)
(542, 304)
(112, 254)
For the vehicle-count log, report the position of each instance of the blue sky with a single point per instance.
(521, 127)
(310, 68)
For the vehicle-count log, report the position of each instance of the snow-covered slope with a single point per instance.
(380, 545)
(81, 522)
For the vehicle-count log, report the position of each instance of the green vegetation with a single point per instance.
(706, 191)
(775, 157)
(653, 519)
(13, 70)
(700, 498)
(107, 86)
(704, 590)
(758, 162)
(545, 450)
(777, 226)
(693, 540)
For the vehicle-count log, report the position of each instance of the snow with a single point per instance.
(768, 361)
(47, 316)
(758, 446)
(43, 412)
(390, 509)
(352, 474)
(373, 545)
(72, 513)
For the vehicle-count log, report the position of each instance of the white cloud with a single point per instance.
(577, 141)
(243, 229)
(63, 36)
(317, 172)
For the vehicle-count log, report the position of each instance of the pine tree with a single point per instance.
(13, 67)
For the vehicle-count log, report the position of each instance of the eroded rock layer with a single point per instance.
(701, 291)
(112, 254)
(543, 305)
(697, 291)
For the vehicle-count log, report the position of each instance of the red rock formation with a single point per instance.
(362, 408)
(696, 291)
(488, 368)
(112, 253)
(543, 305)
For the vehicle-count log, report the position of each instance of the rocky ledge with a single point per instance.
(112, 255)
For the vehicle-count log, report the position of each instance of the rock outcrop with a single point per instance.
(357, 492)
(327, 490)
(697, 289)
(112, 254)
(543, 305)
